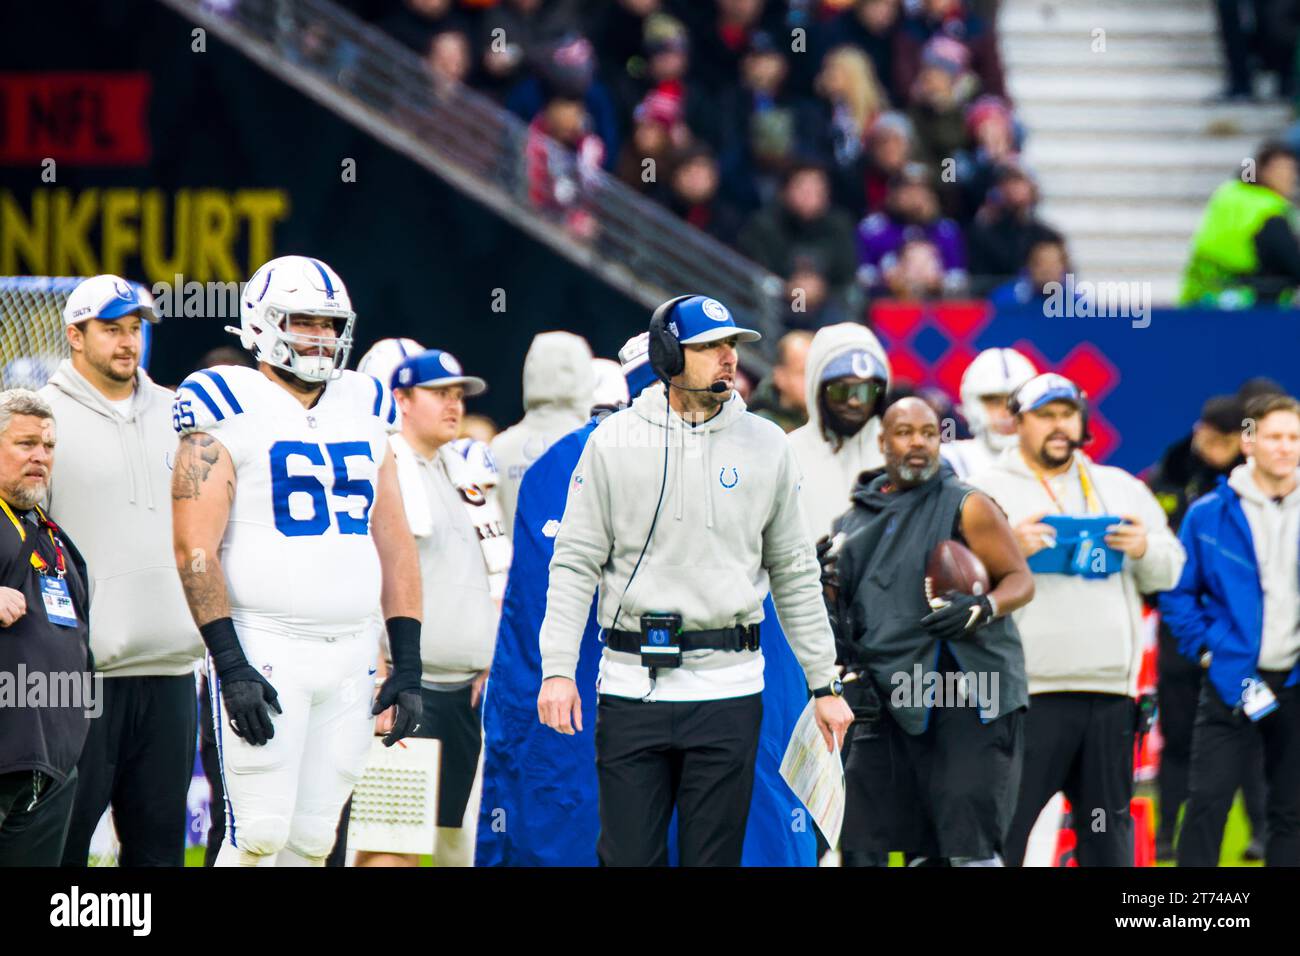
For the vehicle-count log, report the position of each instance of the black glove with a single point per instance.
(962, 616)
(403, 684)
(828, 556)
(248, 695)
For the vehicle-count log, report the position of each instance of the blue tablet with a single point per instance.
(1080, 547)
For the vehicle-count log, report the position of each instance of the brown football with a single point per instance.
(954, 567)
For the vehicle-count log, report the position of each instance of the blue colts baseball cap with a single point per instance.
(435, 369)
(699, 319)
(108, 297)
(1043, 389)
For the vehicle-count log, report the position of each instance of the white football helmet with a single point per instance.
(611, 386)
(295, 285)
(384, 357)
(992, 372)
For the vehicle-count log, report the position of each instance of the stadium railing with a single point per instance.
(374, 82)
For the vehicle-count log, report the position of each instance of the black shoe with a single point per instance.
(1254, 851)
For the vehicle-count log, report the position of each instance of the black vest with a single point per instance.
(882, 595)
(44, 738)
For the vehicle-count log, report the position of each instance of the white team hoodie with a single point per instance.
(831, 465)
(111, 489)
(558, 384)
(1275, 530)
(730, 528)
(1085, 634)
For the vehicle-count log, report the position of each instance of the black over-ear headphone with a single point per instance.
(1085, 436)
(666, 357)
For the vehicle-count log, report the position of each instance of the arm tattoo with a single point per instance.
(201, 575)
(195, 457)
(205, 591)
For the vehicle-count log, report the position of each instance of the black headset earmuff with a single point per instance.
(666, 358)
(1085, 436)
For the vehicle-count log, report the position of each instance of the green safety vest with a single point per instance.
(1223, 250)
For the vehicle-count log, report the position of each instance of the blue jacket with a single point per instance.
(539, 805)
(1218, 604)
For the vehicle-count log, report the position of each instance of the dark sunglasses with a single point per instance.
(864, 392)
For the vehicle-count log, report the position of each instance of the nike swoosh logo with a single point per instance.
(372, 670)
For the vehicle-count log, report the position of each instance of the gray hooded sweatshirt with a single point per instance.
(558, 385)
(1275, 529)
(730, 529)
(111, 489)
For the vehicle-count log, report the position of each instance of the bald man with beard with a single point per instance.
(950, 676)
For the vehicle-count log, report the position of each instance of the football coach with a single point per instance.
(684, 511)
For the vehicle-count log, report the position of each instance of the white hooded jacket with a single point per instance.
(831, 465)
(111, 489)
(558, 385)
(730, 528)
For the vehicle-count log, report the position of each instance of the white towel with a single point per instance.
(418, 514)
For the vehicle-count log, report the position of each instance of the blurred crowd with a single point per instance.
(855, 148)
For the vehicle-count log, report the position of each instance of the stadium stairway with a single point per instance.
(370, 80)
(1113, 95)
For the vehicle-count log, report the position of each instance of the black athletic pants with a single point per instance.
(1221, 746)
(1082, 744)
(697, 756)
(34, 837)
(1178, 688)
(138, 759)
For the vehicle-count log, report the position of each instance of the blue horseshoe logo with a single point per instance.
(735, 478)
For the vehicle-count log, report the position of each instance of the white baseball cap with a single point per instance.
(108, 297)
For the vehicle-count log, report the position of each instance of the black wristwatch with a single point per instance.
(834, 689)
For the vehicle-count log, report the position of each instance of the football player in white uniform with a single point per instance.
(986, 385)
(289, 531)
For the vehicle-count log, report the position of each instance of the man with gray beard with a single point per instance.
(936, 773)
(43, 637)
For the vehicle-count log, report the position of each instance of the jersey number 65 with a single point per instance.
(284, 484)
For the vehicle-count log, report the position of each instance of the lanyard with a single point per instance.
(1090, 498)
(38, 562)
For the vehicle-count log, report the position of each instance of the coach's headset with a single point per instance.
(1080, 399)
(666, 356)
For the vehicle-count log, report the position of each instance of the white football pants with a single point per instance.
(288, 794)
